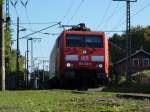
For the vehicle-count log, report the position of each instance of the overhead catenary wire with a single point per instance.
(39, 30)
(111, 31)
(139, 11)
(14, 4)
(111, 15)
(28, 17)
(146, 6)
(36, 23)
(116, 14)
(24, 4)
(105, 12)
(68, 10)
(76, 11)
(35, 30)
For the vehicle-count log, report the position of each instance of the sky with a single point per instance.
(98, 15)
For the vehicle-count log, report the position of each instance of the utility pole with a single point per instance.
(2, 51)
(7, 14)
(31, 57)
(32, 62)
(43, 72)
(128, 36)
(17, 52)
(25, 68)
(27, 63)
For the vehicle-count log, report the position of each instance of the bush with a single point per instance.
(142, 77)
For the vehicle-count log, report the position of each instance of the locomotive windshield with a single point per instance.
(84, 41)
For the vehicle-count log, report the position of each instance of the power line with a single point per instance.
(24, 4)
(14, 5)
(110, 17)
(139, 11)
(39, 30)
(37, 23)
(82, 1)
(111, 31)
(68, 10)
(102, 19)
(115, 14)
(35, 30)
(28, 17)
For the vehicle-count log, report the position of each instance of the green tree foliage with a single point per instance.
(10, 55)
(13, 61)
(117, 47)
(140, 39)
(7, 49)
(1, 2)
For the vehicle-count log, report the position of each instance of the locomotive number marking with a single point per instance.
(84, 58)
(84, 63)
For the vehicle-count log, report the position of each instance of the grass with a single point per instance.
(68, 101)
(145, 73)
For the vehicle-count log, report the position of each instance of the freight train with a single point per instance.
(79, 55)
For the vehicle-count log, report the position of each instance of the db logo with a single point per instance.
(84, 52)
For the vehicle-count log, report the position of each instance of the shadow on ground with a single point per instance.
(128, 88)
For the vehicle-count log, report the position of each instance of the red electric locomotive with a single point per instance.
(80, 55)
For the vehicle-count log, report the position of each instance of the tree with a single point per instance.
(10, 55)
(140, 38)
(1, 2)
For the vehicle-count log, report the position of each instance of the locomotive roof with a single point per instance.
(88, 32)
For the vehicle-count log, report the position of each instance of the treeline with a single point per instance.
(140, 38)
(10, 55)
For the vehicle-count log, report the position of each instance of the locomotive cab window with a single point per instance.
(93, 41)
(84, 41)
(74, 41)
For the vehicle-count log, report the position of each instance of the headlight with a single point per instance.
(68, 65)
(100, 65)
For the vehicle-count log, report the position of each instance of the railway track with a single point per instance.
(134, 95)
(98, 89)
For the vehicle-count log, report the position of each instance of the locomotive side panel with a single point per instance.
(55, 58)
(106, 57)
(52, 63)
(61, 56)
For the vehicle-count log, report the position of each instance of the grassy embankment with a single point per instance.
(68, 101)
